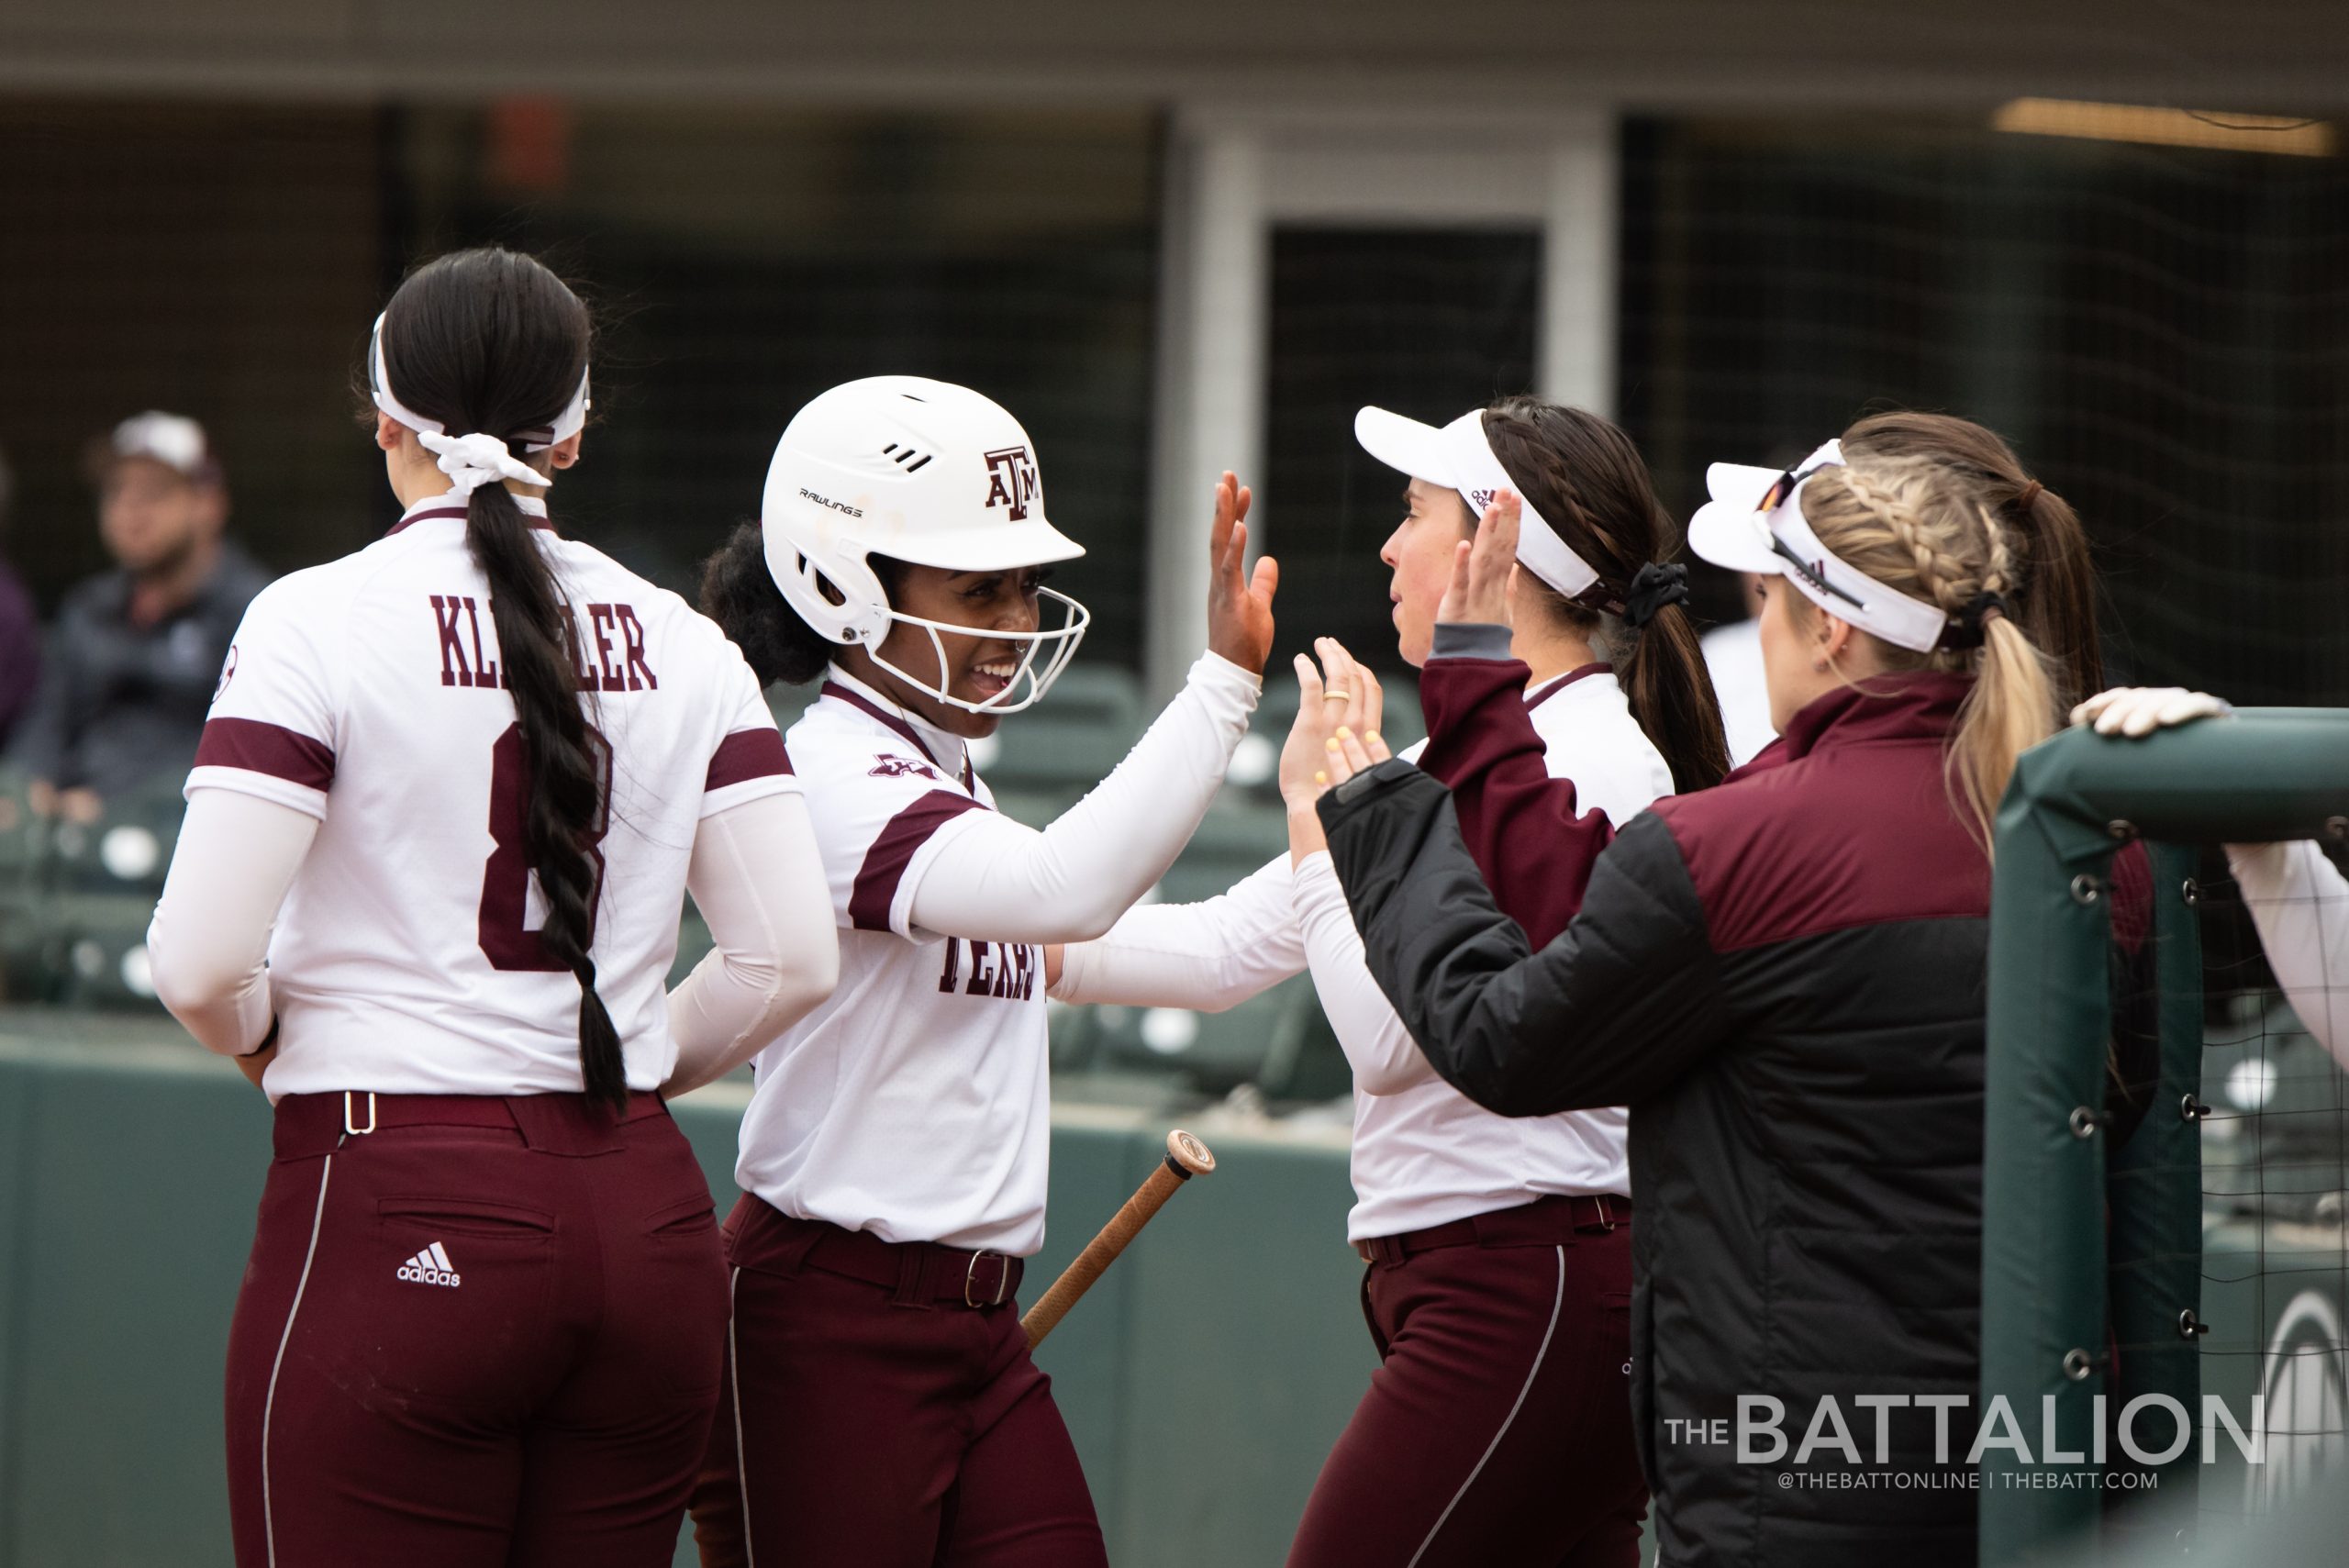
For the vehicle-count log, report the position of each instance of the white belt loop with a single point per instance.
(348, 1129)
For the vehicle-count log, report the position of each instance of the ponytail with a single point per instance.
(567, 765)
(1670, 692)
(491, 341)
(1920, 529)
(2009, 711)
(2054, 587)
(2059, 578)
(737, 592)
(1583, 475)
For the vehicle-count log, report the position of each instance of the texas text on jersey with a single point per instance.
(929, 1055)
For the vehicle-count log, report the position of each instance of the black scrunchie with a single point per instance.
(1966, 629)
(1655, 587)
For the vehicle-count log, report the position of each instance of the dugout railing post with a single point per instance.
(2059, 1221)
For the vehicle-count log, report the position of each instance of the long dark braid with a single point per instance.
(490, 340)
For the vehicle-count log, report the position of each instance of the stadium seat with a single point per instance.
(97, 950)
(24, 840)
(1235, 837)
(1071, 741)
(128, 849)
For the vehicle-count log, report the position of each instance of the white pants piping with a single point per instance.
(1539, 1357)
(268, 1520)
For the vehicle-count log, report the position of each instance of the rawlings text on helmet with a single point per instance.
(828, 501)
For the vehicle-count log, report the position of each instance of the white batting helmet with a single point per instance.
(918, 471)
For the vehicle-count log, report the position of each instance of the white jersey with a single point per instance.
(367, 694)
(1424, 1154)
(929, 1060)
(1427, 1155)
(1733, 661)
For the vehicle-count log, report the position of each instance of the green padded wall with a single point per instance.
(2264, 773)
(1203, 1378)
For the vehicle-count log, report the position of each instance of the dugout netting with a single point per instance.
(2201, 1263)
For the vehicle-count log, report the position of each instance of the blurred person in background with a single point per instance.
(136, 651)
(20, 630)
(1733, 661)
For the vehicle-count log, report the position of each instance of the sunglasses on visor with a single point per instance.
(1780, 489)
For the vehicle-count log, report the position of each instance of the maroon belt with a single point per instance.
(561, 1124)
(1542, 1222)
(916, 1273)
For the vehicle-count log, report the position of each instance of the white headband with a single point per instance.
(1481, 476)
(1733, 529)
(567, 424)
(1459, 457)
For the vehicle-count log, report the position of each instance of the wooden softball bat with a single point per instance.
(1186, 1157)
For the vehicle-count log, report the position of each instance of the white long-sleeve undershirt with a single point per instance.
(754, 874)
(2300, 903)
(1274, 923)
(992, 879)
(757, 877)
(208, 948)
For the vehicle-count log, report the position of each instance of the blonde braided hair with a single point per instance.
(1920, 529)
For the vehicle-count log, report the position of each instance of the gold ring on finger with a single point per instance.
(1337, 697)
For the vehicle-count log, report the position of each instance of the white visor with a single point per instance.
(1732, 531)
(568, 423)
(1457, 457)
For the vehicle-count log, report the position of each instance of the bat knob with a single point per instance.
(1188, 1154)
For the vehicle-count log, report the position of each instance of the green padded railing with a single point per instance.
(2047, 1253)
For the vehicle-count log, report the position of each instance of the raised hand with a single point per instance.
(1339, 704)
(1240, 605)
(1481, 570)
(2137, 711)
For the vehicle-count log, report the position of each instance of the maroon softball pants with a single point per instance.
(1498, 1429)
(489, 1333)
(883, 1425)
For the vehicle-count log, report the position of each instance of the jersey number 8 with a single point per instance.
(505, 879)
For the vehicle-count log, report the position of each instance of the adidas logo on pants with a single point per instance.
(431, 1266)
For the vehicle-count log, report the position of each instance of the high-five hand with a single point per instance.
(1324, 745)
(1481, 571)
(1240, 605)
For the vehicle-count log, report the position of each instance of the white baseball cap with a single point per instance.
(1754, 523)
(1458, 457)
(173, 439)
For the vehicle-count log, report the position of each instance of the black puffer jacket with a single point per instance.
(1784, 978)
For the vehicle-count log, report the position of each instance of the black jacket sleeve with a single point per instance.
(1623, 1002)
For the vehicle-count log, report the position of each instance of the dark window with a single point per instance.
(1428, 323)
(2160, 332)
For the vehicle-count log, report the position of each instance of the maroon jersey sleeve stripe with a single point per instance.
(746, 754)
(886, 861)
(272, 749)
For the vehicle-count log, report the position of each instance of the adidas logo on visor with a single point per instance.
(431, 1266)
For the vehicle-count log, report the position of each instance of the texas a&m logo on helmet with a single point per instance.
(1012, 481)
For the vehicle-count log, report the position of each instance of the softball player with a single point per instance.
(885, 1409)
(1527, 829)
(1498, 1290)
(467, 772)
